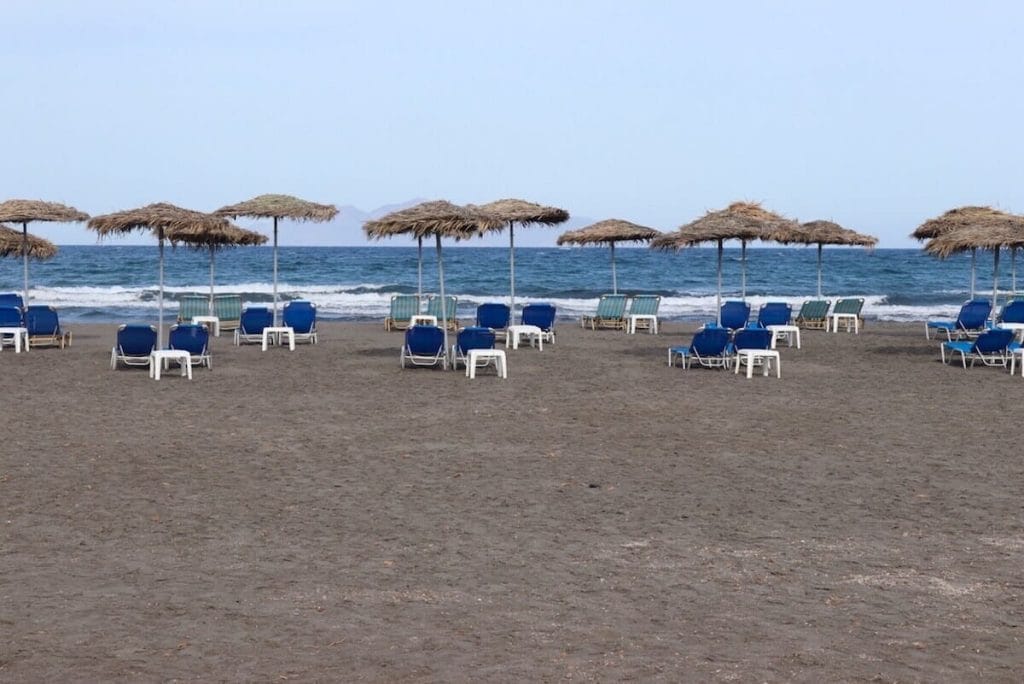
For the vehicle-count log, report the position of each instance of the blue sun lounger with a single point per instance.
(734, 314)
(44, 329)
(991, 348)
(193, 338)
(134, 345)
(969, 322)
(251, 324)
(424, 346)
(300, 316)
(709, 348)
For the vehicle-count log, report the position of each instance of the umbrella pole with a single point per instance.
(511, 271)
(974, 253)
(24, 255)
(160, 296)
(419, 270)
(743, 270)
(212, 250)
(819, 270)
(275, 270)
(718, 299)
(995, 280)
(444, 303)
(615, 285)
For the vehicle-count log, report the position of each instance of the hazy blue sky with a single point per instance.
(878, 115)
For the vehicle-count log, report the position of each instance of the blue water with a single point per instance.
(110, 283)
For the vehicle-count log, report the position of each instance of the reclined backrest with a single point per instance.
(1013, 312)
(300, 316)
(753, 338)
(973, 314)
(424, 340)
(735, 314)
(493, 315)
(41, 320)
(189, 337)
(475, 337)
(611, 306)
(11, 299)
(10, 317)
(136, 339)
(645, 305)
(774, 313)
(710, 341)
(992, 341)
(540, 315)
(255, 319)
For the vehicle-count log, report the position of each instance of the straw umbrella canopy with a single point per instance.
(214, 237)
(279, 207)
(1006, 231)
(742, 221)
(822, 233)
(437, 218)
(609, 232)
(26, 211)
(513, 211)
(166, 222)
(11, 244)
(955, 219)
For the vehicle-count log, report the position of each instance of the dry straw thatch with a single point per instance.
(823, 233)
(523, 212)
(1009, 233)
(229, 235)
(608, 231)
(165, 220)
(739, 221)
(434, 218)
(26, 211)
(280, 207)
(11, 242)
(955, 219)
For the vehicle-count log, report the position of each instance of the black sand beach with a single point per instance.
(323, 515)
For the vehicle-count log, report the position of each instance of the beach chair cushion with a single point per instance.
(11, 317)
(300, 316)
(11, 299)
(251, 324)
(709, 348)
(541, 316)
(991, 347)
(44, 329)
(813, 314)
(134, 345)
(472, 337)
(493, 315)
(424, 346)
(193, 338)
(611, 311)
(403, 308)
(734, 314)
(228, 308)
(192, 305)
(970, 321)
(774, 313)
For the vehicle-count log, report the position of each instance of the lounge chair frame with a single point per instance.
(611, 313)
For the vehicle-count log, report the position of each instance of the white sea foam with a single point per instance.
(366, 300)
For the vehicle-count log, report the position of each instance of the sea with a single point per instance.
(117, 283)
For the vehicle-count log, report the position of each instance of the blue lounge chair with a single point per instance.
(473, 337)
(193, 338)
(251, 324)
(774, 313)
(611, 311)
(11, 299)
(192, 305)
(403, 308)
(300, 316)
(134, 345)
(451, 306)
(10, 317)
(424, 346)
(228, 309)
(495, 316)
(758, 341)
(44, 329)
(969, 322)
(991, 348)
(734, 315)
(542, 316)
(1012, 312)
(709, 348)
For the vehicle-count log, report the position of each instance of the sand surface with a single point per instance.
(323, 515)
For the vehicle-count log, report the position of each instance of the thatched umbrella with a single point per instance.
(279, 207)
(739, 221)
(166, 222)
(513, 211)
(955, 219)
(214, 237)
(822, 233)
(11, 244)
(1006, 231)
(26, 211)
(609, 232)
(440, 219)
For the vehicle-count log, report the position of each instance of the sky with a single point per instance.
(877, 115)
